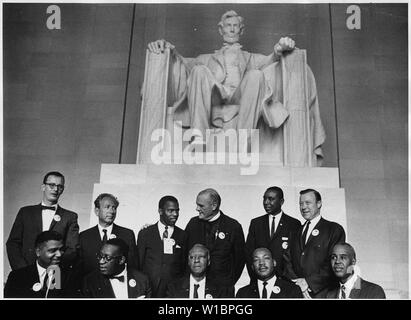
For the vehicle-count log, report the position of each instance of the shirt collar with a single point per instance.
(349, 284)
(194, 281)
(314, 221)
(40, 270)
(122, 273)
(215, 217)
(231, 46)
(109, 228)
(277, 216)
(161, 227)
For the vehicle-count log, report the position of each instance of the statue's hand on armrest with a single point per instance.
(285, 44)
(159, 46)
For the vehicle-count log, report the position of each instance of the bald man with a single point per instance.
(223, 236)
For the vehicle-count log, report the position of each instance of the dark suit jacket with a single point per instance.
(227, 256)
(160, 267)
(312, 262)
(259, 237)
(362, 290)
(28, 225)
(287, 290)
(95, 285)
(180, 288)
(20, 284)
(90, 244)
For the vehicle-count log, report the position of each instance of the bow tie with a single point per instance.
(231, 46)
(119, 278)
(48, 208)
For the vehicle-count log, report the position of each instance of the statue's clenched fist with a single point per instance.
(159, 46)
(285, 44)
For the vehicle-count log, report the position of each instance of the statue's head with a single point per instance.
(231, 27)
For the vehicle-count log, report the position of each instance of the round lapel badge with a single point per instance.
(276, 290)
(113, 236)
(132, 283)
(315, 232)
(221, 235)
(208, 296)
(37, 286)
(57, 218)
(285, 245)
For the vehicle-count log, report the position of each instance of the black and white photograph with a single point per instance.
(228, 151)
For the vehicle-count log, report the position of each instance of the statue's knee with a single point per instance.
(199, 71)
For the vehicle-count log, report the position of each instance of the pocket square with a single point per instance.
(177, 246)
(284, 238)
(141, 297)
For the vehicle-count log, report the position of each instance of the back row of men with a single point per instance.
(284, 259)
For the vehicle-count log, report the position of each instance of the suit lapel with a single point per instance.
(267, 228)
(38, 219)
(185, 287)
(59, 212)
(106, 288)
(356, 290)
(318, 227)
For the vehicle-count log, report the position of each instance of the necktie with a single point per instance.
(264, 293)
(104, 236)
(272, 228)
(196, 286)
(343, 296)
(304, 236)
(165, 233)
(45, 281)
(48, 208)
(119, 278)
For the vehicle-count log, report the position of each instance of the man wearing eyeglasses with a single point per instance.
(48, 215)
(115, 279)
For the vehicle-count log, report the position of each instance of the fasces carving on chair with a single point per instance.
(234, 89)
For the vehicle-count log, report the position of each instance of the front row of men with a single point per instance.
(284, 258)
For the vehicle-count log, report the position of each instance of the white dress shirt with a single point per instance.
(47, 216)
(313, 223)
(269, 287)
(276, 221)
(349, 284)
(162, 228)
(120, 289)
(200, 290)
(42, 273)
(109, 231)
(215, 217)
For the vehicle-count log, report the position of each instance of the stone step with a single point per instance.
(266, 176)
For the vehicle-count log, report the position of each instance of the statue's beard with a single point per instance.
(231, 39)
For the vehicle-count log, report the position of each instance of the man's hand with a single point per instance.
(302, 283)
(159, 46)
(285, 44)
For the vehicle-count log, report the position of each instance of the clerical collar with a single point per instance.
(215, 217)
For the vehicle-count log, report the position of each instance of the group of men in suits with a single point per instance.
(284, 259)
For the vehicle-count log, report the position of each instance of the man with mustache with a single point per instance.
(272, 230)
(265, 283)
(161, 247)
(48, 215)
(351, 285)
(105, 208)
(45, 278)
